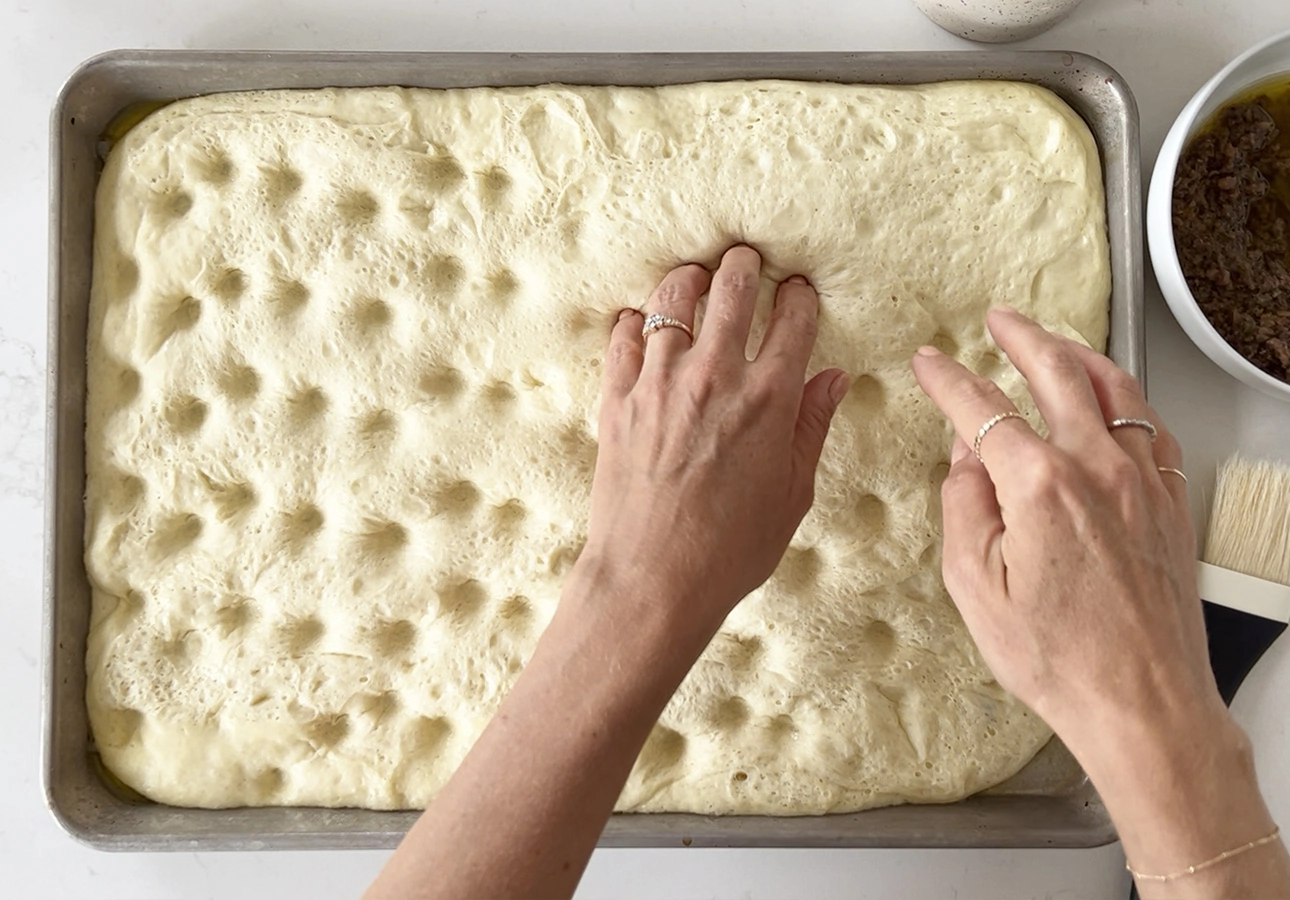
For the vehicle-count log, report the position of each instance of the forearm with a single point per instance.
(522, 814)
(1182, 794)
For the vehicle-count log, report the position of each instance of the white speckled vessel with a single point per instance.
(996, 21)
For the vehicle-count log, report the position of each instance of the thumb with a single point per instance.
(820, 399)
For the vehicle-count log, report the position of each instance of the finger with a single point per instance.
(731, 301)
(676, 296)
(971, 561)
(624, 357)
(1121, 396)
(970, 401)
(790, 336)
(820, 399)
(1056, 378)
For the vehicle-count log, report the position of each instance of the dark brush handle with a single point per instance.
(1237, 640)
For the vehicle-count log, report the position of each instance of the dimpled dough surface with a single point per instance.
(344, 359)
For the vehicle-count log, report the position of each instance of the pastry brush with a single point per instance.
(1244, 573)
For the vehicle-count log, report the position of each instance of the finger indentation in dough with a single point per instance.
(183, 314)
(288, 297)
(871, 514)
(307, 406)
(866, 396)
(185, 414)
(129, 382)
(326, 731)
(445, 274)
(510, 514)
(382, 541)
(280, 184)
(175, 204)
(301, 635)
(440, 174)
(175, 533)
(562, 559)
(236, 614)
(215, 167)
(463, 599)
(503, 285)
(441, 383)
(238, 381)
(230, 498)
(799, 570)
(301, 524)
(458, 498)
(372, 316)
(879, 640)
(229, 284)
(392, 637)
(358, 208)
(730, 713)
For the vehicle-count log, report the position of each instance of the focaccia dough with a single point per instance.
(344, 353)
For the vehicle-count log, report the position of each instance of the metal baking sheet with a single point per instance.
(1049, 804)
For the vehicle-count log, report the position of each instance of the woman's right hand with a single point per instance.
(1072, 561)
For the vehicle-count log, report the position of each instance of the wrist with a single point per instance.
(1178, 791)
(648, 596)
(650, 628)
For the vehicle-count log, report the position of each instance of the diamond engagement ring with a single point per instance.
(657, 322)
(990, 423)
(1133, 423)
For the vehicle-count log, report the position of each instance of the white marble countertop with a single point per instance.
(1164, 48)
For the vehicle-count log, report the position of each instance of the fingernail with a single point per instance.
(838, 389)
(929, 350)
(797, 279)
(622, 314)
(1007, 308)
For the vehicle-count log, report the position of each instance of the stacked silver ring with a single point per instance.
(1133, 423)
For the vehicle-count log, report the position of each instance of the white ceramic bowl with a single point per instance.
(996, 21)
(1272, 57)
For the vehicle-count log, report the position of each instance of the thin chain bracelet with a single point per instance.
(1192, 870)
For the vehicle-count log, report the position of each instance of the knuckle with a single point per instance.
(621, 352)
(739, 284)
(958, 574)
(973, 391)
(670, 296)
(765, 388)
(1122, 472)
(778, 368)
(1046, 472)
(1168, 444)
(711, 367)
(1058, 359)
(796, 317)
(1124, 383)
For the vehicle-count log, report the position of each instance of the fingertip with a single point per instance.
(625, 313)
(797, 279)
(927, 350)
(740, 249)
(839, 386)
(791, 286)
